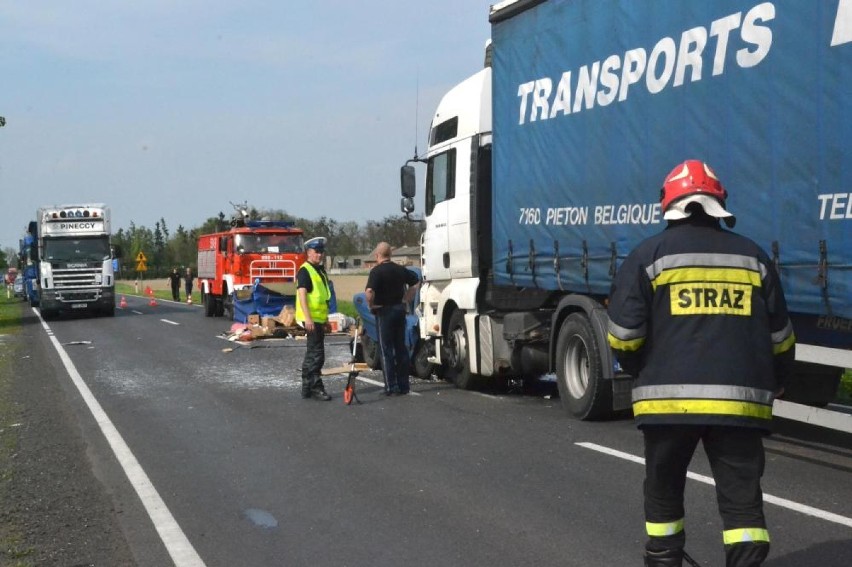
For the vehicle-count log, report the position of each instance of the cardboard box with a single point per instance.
(257, 331)
(254, 319)
(287, 317)
(268, 323)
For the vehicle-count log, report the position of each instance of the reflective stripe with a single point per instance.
(674, 261)
(629, 346)
(783, 340)
(625, 334)
(703, 391)
(745, 535)
(701, 274)
(702, 407)
(664, 529)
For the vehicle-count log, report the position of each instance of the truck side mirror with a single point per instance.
(407, 205)
(408, 184)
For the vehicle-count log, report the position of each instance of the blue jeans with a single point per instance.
(391, 326)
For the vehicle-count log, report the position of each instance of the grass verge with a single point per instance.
(844, 392)
(13, 552)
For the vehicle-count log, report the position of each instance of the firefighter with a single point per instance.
(697, 315)
(312, 298)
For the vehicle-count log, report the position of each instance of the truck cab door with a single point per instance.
(440, 191)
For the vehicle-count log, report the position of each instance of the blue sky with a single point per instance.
(174, 108)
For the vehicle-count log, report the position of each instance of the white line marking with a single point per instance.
(169, 322)
(171, 534)
(783, 502)
(137, 312)
(381, 384)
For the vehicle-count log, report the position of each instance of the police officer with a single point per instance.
(312, 298)
(698, 317)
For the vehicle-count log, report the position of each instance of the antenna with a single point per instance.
(416, 111)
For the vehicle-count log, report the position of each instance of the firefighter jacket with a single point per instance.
(318, 297)
(698, 316)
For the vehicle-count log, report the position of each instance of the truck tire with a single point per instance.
(458, 360)
(209, 304)
(584, 393)
(371, 352)
(228, 306)
(219, 303)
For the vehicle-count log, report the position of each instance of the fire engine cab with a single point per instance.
(251, 253)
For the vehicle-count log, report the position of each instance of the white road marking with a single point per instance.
(382, 384)
(783, 502)
(180, 549)
(169, 322)
(138, 312)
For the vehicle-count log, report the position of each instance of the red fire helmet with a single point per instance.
(692, 177)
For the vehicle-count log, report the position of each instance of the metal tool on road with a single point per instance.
(349, 391)
(352, 369)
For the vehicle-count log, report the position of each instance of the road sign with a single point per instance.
(141, 267)
(141, 257)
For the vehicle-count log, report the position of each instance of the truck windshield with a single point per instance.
(268, 243)
(77, 249)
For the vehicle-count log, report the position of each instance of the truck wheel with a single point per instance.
(228, 306)
(583, 391)
(209, 304)
(371, 352)
(458, 360)
(420, 366)
(219, 303)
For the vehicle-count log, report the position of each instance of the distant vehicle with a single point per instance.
(18, 286)
(253, 257)
(70, 246)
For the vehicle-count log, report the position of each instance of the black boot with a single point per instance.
(664, 558)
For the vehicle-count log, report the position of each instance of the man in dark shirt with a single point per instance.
(388, 287)
(174, 282)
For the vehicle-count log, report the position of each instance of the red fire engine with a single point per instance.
(252, 252)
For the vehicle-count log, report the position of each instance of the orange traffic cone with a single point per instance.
(123, 303)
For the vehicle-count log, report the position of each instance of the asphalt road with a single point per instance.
(221, 463)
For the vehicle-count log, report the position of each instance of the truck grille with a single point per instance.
(272, 270)
(77, 284)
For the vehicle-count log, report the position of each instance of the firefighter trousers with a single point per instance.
(737, 460)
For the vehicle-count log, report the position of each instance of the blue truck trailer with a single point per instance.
(544, 169)
(29, 269)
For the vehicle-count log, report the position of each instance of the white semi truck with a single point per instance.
(71, 247)
(543, 171)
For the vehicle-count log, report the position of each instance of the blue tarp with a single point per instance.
(268, 303)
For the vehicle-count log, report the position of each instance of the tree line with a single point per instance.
(165, 249)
